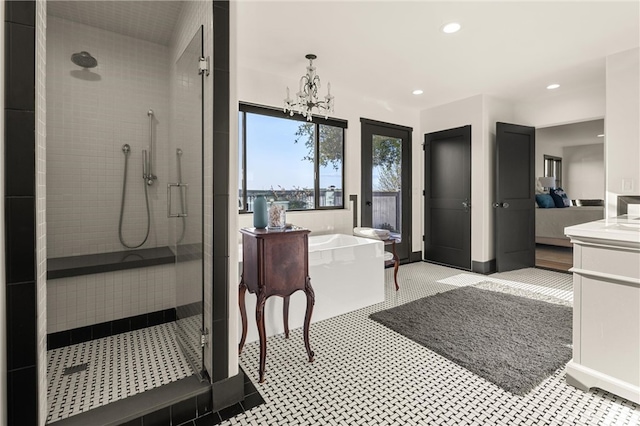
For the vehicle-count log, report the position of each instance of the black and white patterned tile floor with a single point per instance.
(366, 374)
(117, 367)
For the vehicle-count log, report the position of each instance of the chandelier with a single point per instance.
(307, 96)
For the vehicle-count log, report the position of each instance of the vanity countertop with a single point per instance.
(625, 228)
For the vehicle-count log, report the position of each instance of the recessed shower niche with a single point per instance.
(125, 189)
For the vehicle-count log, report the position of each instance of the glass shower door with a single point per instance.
(184, 200)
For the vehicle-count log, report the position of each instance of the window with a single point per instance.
(290, 160)
(553, 168)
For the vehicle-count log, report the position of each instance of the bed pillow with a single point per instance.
(545, 201)
(560, 197)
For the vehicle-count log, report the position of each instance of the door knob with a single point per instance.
(368, 203)
(503, 205)
(466, 204)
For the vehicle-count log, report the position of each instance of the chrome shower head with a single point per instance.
(84, 60)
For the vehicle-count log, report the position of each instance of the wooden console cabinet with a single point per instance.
(274, 263)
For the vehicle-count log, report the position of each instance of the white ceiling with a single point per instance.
(386, 49)
(146, 20)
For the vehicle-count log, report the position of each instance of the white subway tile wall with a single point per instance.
(92, 113)
(41, 205)
(91, 299)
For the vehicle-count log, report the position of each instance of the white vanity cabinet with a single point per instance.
(606, 306)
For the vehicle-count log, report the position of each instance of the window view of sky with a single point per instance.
(274, 159)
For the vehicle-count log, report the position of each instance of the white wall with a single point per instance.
(92, 299)
(41, 206)
(562, 108)
(481, 112)
(261, 88)
(583, 171)
(622, 129)
(233, 189)
(553, 140)
(91, 114)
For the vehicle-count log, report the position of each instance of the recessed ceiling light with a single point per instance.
(418, 92)
(553, 86)
(451, 27)
(601, 135)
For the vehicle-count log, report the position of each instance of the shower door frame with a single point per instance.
(190, 340)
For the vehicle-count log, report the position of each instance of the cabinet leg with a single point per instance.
(396, 264)
(311, 299)
(285, 316)
(263, 335)
(242, 289)
(395, 273)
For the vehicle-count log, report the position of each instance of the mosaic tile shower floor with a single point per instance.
(366, 374)
(117, 367)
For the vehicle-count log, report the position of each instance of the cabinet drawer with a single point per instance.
(611, 261)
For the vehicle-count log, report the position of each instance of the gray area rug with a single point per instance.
(512, 341)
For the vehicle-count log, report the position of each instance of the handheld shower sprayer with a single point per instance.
(145, 165)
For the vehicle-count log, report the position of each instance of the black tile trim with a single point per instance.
(64, 338)
(61, 267)
(21, 12)
(220, 224)
(164, 402)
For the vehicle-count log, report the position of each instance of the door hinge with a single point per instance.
(204, 66)
(424, 146)
(423, 238)
(424, 193)
(204, 337)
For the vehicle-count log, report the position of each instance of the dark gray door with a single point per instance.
(515, 197)
(447, 156)
(386, 181)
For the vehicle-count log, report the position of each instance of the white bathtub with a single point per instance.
(347, 273)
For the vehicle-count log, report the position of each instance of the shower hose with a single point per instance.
(146, 197)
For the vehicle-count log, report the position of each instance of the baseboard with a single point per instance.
(179, 401)
(585, 378)
(228, 391)
(488, 267)
(415, 256)
(105, 329)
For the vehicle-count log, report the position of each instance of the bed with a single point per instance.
(550, 223)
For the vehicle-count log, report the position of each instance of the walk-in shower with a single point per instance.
(123, 278)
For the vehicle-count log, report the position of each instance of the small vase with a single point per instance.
(260, 212)
(277, 216)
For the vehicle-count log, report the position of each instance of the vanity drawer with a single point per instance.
(612, 261)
